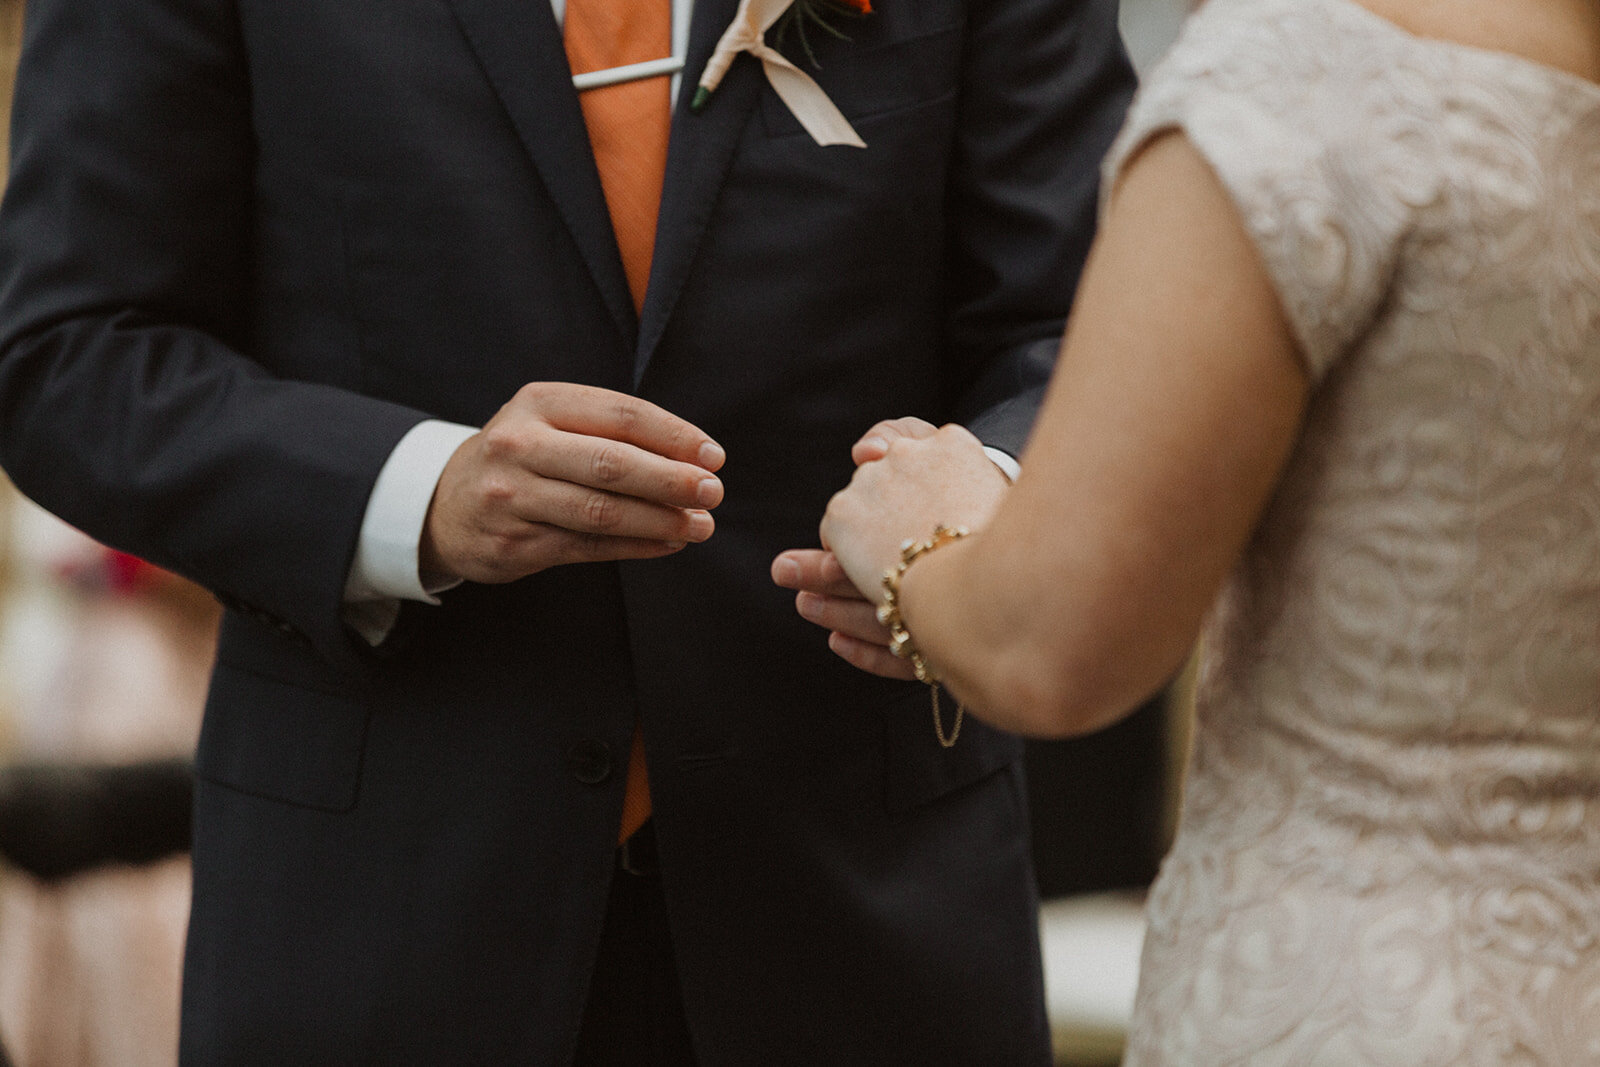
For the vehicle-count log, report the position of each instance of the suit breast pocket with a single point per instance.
(919, 770)
(299, 742)
(868, 81)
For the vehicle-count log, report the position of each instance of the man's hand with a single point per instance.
(826, 596)
(569, 473)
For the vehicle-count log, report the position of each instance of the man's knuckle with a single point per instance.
(600, 511)
(502, 442)
(532, 394)
(627, 413)
(607, 466)
(589, 545)
(500, 545)
(495, 492)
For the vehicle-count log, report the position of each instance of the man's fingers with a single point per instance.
(874, 444)
(869, 657)
(580, 548)
(615, 467)
(595, 512)
(813, 569)
(595, 412)
(512, 549)
(852, 617)
(523, 495)
(827, 598)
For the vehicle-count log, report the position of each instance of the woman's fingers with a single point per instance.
(874, 444)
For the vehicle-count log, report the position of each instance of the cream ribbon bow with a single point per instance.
(804, 97)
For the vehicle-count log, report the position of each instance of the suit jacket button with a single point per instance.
(589, 761)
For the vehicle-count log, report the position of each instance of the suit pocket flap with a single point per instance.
(282, 742)
(920, 770)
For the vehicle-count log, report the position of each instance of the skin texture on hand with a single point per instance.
(568, 473)
(826, 594)
(917, 485)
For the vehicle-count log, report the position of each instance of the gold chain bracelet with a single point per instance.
(900, 642)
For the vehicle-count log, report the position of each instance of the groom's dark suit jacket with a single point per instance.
(249, 243)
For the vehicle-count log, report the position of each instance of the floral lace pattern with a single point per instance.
(1390, 849)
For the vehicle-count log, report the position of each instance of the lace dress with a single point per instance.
(1390, 848)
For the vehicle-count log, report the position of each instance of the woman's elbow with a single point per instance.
(1048, 695)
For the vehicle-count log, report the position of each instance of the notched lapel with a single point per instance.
(519, 46)
(698, 157)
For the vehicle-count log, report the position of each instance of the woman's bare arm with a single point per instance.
(1175, 405)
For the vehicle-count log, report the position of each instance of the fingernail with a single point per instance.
(712, 455)
(700, 526)
(708, 493)
(807, 604)
(676, 545)
(786, 572)
(877, 443)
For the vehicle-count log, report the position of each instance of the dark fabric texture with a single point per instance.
(58, 820)
(1098, 805)
(248, 244)
(634, 1012)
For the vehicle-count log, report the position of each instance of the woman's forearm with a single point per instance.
(1174, 407)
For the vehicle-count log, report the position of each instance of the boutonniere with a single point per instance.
(803, 97)
(819, 14)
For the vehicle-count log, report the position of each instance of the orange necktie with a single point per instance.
(628, 126)
(628, 123)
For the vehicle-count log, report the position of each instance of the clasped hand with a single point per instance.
(568, 473)
(910, 476)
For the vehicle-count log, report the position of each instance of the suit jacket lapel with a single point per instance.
(698, 157)
(519, 45)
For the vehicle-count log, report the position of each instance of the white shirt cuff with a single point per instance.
(386, 567)
(1005, 461)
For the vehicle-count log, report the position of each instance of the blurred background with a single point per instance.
(103, 666)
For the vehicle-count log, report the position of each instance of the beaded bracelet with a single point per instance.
(900, 643)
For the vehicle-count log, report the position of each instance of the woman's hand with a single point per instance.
(826, 596)
(919, 483)
(1175, 405)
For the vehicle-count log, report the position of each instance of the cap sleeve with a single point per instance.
(1289, 134)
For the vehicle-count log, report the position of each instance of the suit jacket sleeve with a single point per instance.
(1045, 86)
(129, 403)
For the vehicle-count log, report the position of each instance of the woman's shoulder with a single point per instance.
(1336, 131)
(1307, 115)
(1283, 56)
(1332, 58)
(1281, 81)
